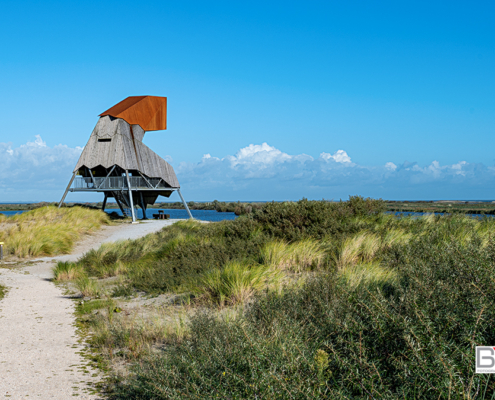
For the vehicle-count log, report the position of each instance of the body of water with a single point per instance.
(204, 215)
(9, 213)
(419, 214)
(212, 215)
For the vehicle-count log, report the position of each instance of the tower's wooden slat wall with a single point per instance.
(113, 143)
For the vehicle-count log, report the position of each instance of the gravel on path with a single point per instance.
(39, 345)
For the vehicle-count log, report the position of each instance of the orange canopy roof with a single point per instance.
(149, 112)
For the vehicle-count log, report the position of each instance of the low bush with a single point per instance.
(293, 221)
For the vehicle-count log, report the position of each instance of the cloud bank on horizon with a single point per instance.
(35, 172)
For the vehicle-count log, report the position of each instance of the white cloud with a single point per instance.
(257, 171)
(339, 156)
(35, 166)
(390, 166)
(264, 168)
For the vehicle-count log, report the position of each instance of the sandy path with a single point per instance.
(38, 341)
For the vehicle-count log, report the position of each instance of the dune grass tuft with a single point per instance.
(300, 256)
(65, 271)
(87, 286)
(48, 230)
(370, 274)
(365, 247)
(3, 290)
(131, 336)
(236, 282)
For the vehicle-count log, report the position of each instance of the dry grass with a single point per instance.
(236, 282)
(300, 256)
(355, 248)
(129, 335)
(87, 286)
(48, 230)
(66, 271)
(396, 236)
(370, 274)
(364, 247)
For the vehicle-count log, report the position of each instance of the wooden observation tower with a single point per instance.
(115, 160)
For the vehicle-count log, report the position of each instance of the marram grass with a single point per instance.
(299, 256)
(371, 275)
(236, 282)
(87, 286)
(66, 271)
(48, 230)
(3, 290)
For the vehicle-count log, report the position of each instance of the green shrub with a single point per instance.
(293, 221)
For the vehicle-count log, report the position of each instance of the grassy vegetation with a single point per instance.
(236, 282)
(465, 207)
(3, 291)
(24, 206)
(300, 300)
(244, 208)
(47, 230)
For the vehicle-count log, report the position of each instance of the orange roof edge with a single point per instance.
(149, 112)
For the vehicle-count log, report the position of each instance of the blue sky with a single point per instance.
(262, 95)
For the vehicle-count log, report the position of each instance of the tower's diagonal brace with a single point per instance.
(185, 204)
(115, 195)
(104, 180)
(67, 190)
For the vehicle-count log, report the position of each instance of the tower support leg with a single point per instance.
(120, 206)
(143, 205)
(130, 197)
(67, 190)
(185, 204)
(104, 202)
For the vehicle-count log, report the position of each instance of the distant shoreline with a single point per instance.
(239, 208)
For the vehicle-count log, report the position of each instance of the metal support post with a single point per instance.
(143, 205)
(67, 190)
(120, 206)
(130, 197)
(185, 204)
(1, 250)
(104, 203)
